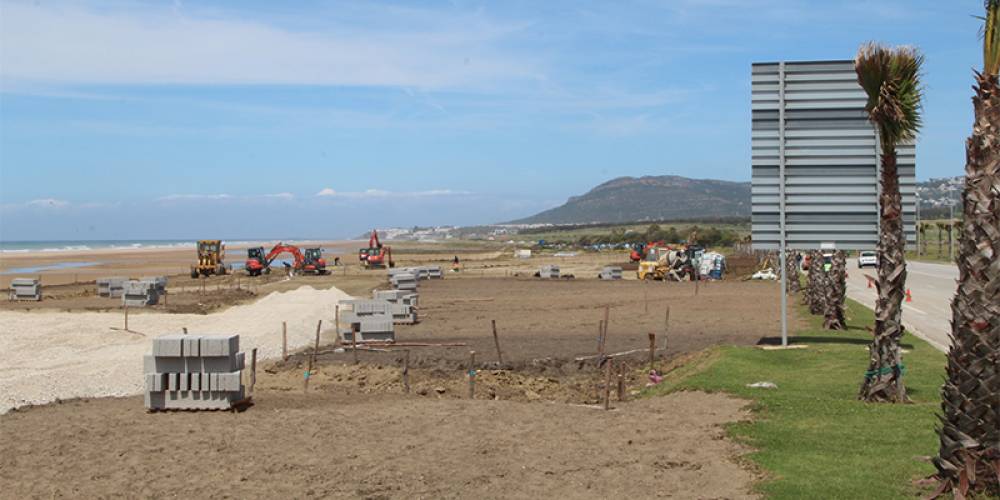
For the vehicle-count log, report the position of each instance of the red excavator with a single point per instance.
(376, 256)
(312, 262)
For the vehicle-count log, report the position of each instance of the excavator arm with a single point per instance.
(281, 248)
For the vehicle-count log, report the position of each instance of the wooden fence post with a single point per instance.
(607, 384)
(652, 350)
(253, 369)
(284, 341)
(666, 328)
(354, 343)
(406, 371)
(472, 374)
(496, 340)
(621, 382)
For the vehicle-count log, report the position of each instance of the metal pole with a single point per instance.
(917, 226)
(781, 203)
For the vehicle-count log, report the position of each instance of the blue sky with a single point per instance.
(242, 119)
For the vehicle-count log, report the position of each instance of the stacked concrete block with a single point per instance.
(551, 271)
(400, 313)
(112, 287)
(193, 372)
(140, 294)
(611, 273)
(157, 282)
(403, 281)
(25, 289)
(397, 296)
(374, 327)
(435, 272)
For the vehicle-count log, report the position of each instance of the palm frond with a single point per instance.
(891, 79)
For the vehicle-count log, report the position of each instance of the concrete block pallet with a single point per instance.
(25, 289)
(112, 287)
(551, 272)
(610, 273)
(194, 372)
(140, 294)
(157, 282)
(373, 327)
(403, 281)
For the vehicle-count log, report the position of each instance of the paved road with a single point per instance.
(932, 287)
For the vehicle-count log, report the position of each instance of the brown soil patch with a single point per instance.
(544, 324)
(331, 444)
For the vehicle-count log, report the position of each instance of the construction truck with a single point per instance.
(211, 254)
(377, 255)
(666, 263)
(311, 261)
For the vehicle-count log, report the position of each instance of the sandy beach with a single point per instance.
(133, 262)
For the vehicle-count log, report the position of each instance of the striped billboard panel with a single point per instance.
(815, 159)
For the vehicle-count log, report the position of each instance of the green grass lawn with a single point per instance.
(812, 438)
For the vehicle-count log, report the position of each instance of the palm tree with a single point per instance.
(969, 456)
(836, 288)
(891, 78)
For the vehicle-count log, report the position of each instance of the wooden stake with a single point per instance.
(185, 329)
(696, 281)
(354, 343)
(336, 319)
(312, 359)
(607, 384)
(600, 337)
(126, 317)
(406, 371)
(646, 300)
(666, 328)
(496, 340)
(284, 341)
(472, 374)
(253, 369)
(652, 350)
(621, 382)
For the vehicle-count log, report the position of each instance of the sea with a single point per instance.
(83, 245)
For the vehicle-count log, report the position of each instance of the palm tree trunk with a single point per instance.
(836, 287)
(884, 378)
(969, 457)
(815, 283)
(792, 270)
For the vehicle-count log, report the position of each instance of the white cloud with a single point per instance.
(48, 203)
(280, 196)
(381, 193)
(183, 197)
(366, 45)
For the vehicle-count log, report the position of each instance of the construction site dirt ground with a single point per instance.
(533, 429)
(543, 325)
(328, 444)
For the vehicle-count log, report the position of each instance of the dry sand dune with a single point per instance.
(61, 355)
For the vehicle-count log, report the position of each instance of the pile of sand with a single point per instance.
(62, 355)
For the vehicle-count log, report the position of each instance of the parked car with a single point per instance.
(867, 258)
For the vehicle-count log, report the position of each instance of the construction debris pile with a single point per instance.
(193, 372)
(25, 289)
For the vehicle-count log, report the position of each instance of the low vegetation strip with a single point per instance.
(812, 437)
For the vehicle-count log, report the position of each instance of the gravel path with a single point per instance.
(61, 355)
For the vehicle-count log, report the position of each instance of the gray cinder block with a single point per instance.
(25, 289)
(168, 346)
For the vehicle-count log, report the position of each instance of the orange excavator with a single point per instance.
(258, 263)
(639, 250)
(377, 255)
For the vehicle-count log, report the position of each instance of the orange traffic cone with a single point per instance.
(909, 298)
